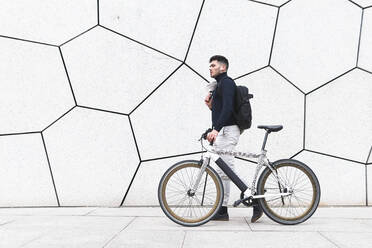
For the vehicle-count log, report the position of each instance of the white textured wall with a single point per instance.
(99, 98)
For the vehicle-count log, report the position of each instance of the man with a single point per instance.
(225, 133)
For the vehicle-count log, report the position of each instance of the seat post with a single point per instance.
(265, 139)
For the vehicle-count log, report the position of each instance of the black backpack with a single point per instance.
(242, 107)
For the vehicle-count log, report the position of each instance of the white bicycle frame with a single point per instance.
(261, 161)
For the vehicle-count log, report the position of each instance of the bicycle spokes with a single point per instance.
(298, 186)
(187, 203)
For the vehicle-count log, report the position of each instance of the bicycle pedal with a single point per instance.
(247, 201)
(237, 203)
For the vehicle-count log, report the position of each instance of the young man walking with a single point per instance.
(225, 133)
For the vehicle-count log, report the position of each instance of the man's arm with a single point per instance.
(211, 136)
(208, 100)
(228, 94)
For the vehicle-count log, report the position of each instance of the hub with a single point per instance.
(190, 193)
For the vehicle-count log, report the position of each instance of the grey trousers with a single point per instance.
(227, 139)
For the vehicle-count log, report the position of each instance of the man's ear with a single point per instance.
(223, 68)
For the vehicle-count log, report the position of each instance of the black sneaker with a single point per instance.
(221, 215)
(257, 211)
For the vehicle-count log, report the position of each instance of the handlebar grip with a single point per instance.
(204, 135)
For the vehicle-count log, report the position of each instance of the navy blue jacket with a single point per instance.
(223, 102)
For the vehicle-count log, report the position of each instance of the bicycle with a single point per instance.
(191, 192)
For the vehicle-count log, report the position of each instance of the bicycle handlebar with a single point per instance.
(204, 135)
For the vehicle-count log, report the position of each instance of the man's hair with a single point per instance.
(220, 59)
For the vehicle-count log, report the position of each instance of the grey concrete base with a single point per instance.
(148, 227)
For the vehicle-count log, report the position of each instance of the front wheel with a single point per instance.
(300, 184)
(180, 203)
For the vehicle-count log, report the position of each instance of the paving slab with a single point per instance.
(145, 239)
(256, 239)
(62, 231)
(156, 211)
(349, 239)
(7, 219)
(138, 227)
(315, 224)
(344, 212)
(163, 223)
(18, 237)
(329, 212)
(128, 211)
(46, 211)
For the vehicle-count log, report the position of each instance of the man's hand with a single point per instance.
(212, 135)
(208, 100)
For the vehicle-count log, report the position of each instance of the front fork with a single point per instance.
(205, 163)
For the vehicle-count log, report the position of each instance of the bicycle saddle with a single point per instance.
(271, 128)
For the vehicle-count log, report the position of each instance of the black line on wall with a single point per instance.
(152, 92)
(311, 91)
(329, 155)
(355, 4)
(98, 12)
(73, 38)
(102, 110)
(197, 73)
(360, 35)
(140, 43)
(285, 3)
(193, 32)
(366, 172)
(172, 156)
(259, 69)
(272, 42)
(19, 39)
(68, 77)
(286, 79)
(364, 70)
(367, 7)
(10, 134)
(268, 4)
(304, 131)
(130, 184)
(369, 154)
(50, 169)
(162, 83)
(134, 137)
(294, 155)
(68, 111)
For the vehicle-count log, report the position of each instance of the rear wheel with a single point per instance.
(302, 185)
(182, 205)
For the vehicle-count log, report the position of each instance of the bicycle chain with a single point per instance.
(234, 153)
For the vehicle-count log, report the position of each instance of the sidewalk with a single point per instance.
(148, 227)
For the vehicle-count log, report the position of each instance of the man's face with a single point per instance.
(216, 68)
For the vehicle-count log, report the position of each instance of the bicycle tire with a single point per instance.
(276, 208)
(177, 173)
